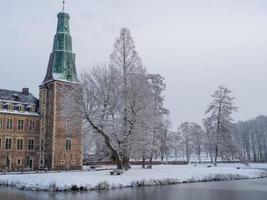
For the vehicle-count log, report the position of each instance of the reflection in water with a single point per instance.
(229, 190)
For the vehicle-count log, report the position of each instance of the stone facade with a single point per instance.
(55, 140)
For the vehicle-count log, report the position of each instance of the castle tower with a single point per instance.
(60, 135)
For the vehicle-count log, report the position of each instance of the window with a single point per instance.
(1, 123)
(31, 144)
(68, 144)
(1, 106)
(8, 144)
(42, 145)
(18, 161)
(31, 125)
(68, 126)
(41, 160)
(20, 124)
(0, 143)
(62, 162)
(21, 108)
(19, 144)
(10, 107)
(9, 123)
(32, 109)
(72, 161)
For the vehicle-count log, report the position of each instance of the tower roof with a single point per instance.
(61, 65)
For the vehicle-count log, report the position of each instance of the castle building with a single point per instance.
(44, 133)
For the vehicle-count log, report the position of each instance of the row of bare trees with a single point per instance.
(219, 136)
(253, 139)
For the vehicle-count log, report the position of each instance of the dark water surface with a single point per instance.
(255, 189)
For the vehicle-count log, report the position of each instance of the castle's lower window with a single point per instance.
(62, 162)
(18, 161)
(73, 162)
(19, 144)
(8, 144)
(31, 144)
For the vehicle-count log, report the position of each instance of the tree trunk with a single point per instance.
(126, 162)
(114, 153)
(150, 160)
(211, 157)
(144, 161)
(199, 158)
(216, 155)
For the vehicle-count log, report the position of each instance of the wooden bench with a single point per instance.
(116, 172)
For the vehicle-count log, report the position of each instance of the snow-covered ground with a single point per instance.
(159, 175)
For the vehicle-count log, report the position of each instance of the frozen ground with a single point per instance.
(159, 175)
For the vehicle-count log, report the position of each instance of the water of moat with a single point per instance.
(253, 189)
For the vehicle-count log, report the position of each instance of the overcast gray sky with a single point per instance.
(195, 44)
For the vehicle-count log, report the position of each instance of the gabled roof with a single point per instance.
(17, 97)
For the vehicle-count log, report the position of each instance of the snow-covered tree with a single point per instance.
(124, 105)
(174, 138)
(253, 139)
(185, 132)
(197, 139)
(220, 118)
(190, 136)
(209, 138)
(100, 106)
(159, 125)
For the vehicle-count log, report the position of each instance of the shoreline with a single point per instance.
(100, 180)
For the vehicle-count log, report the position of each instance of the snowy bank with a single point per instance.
(96, 180)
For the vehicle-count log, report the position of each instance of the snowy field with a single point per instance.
(159, 175)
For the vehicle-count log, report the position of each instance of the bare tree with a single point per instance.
(119, 103)
(220, 110)
(197, 137)
(209, 138)
(186, 142)
(158, 127)
(126, 61)
(100, 106)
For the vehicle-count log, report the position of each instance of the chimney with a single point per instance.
(25, 91)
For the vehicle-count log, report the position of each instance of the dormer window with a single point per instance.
(32, 109)
(10, 107)
(21, 108)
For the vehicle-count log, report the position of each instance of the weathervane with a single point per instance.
(63, 7)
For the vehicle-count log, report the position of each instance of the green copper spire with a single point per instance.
(61, 64)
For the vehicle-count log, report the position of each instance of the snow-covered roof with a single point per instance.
(16, 112)
(10, 96)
